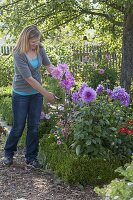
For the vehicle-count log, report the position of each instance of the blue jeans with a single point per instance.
(25, 108)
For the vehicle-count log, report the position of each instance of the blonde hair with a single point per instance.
(29, 32)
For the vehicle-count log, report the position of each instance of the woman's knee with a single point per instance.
(17, 131)
(33, 129)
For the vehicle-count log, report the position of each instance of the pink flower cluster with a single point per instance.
(62, 73)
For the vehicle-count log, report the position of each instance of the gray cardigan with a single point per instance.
(23, 69)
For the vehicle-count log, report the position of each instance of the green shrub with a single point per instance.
(109, 78)
(6, 70)
(75, 169)
(45, 127)
(96, 130)
(5, 91)
(120, 189)
(89, 73)
(6, 109)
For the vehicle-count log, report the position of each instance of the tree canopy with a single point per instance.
(51, 14)
(105, 15)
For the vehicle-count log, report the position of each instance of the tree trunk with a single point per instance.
(127, 53)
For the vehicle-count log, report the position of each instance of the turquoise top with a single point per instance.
(26, 93)
(34, 61)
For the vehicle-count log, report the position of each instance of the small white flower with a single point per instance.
(61, 107)
(47, 116)
(116, 197)
(107, 198)
(130, 184)
(59, 142)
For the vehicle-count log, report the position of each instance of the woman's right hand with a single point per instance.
(50, 97)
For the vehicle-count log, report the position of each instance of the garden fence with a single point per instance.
(91, 54)
(6, 49)
(96, 54)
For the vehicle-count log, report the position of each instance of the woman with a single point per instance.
(28, 94)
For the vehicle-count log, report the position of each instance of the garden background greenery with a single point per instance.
(83, 139)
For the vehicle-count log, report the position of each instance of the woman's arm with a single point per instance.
(36, 85)
(49, 68)
(45, 60)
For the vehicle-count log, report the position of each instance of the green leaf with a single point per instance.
(90, 148)
(113, 128)
(78, 149)
(119, 141)
(88, 142)
(73, 145)
(94, 141)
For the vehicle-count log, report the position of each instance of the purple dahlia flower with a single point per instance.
(99, 88)
(88, 95)
(75, 97)
(109, 92)
(121, 95)
(82, 87)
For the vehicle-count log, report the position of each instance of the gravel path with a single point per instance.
(19, 183)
